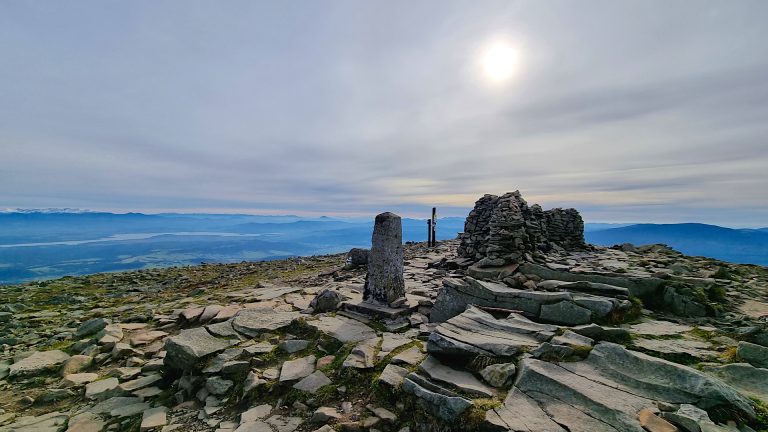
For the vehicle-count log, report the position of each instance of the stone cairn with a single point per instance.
(384, 282)
(503, 229)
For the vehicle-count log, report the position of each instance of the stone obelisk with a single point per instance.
(384, 282)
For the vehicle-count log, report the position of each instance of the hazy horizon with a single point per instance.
(352, 108)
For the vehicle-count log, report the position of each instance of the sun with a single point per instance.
(500, 62)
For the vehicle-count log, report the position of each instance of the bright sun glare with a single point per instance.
(499, 62)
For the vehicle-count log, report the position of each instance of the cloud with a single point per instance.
(644, 111)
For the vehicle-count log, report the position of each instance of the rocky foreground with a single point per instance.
(565, 339)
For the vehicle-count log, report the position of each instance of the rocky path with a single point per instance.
(619, 339)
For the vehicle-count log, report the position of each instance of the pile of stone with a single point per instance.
(504, 229)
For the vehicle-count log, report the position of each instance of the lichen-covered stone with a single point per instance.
(384, 282)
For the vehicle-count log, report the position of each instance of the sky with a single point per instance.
(631, 111)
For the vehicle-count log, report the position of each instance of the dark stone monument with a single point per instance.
(384, 282)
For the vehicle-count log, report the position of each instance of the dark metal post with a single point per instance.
(429, 232)
(434, 226)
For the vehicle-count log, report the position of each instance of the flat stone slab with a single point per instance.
(37, 363)
(222, 329)
(283, 423)
(363, 355)
(140, 383)
(613, 384)
(393, 375)
(571, 339)
(297, 369)
(102, 389)
(520, 413)
(637, 286)
(441, 402)
(478, 332)
(462, 380)
(148, 337)
(78, 379)
(697, 349)
(129, 410)
(659, 328)
(342, 328)
(154, 418)
(255, 413)
(585, 287)
(565, 312)
(312, 382)
(86, 422)
(392, 341)
(270, 293)
(756, 355)
(378, 311)
(51, 422)
(457, 294)
(187, 348)
(112, 403)
(746, 378)
(411, 356)
(254, 322)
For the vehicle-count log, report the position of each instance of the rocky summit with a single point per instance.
(517, 325)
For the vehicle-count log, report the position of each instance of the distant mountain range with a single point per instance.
(749, 246)
(48, 243)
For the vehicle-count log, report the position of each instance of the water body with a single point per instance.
(124, 237)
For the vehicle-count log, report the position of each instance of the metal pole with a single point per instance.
(434, 226)
(429, 232)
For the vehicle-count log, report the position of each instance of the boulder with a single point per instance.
(75, 364)
(189, 347)
(296, 369)
(356, 258)
(37, 363)
(218, 386)
(756, 355)
(254, 322)
(91, 326)
(499, 375)
(293, 345)
(393, 375)
(326, 301)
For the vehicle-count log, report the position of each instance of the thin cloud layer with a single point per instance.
(641, 111)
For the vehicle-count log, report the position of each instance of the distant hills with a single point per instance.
(48, 244)
(748, 246)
